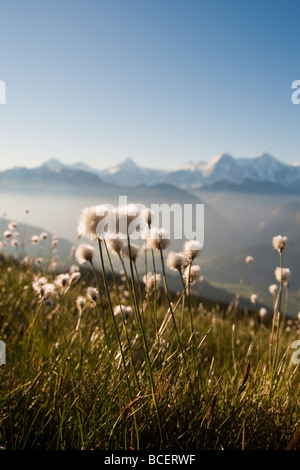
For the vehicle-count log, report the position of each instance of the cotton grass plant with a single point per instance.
(106, 359)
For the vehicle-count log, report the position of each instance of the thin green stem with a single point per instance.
(123, 319)
(113, 317)
(146, 351)
(102, 320)
(155, 292)
(169, 299)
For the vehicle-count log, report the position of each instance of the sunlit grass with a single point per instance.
(63, 389)
(102, 359)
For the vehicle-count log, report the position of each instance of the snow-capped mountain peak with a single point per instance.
(53, 164)
(127, 165)
(222, 168)
(222, 160)
(191, 166)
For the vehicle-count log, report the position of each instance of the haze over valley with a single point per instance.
(246, 202)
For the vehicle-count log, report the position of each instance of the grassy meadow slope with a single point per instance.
(108, 351)
(66, 386)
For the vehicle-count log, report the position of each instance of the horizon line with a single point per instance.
(185, 166)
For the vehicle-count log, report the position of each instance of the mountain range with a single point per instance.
(247, 202)
(264, 173)
(222, 169)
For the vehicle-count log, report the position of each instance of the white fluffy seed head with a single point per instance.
(43, 235)
(7, 234)
(12, 225)
(263, 312)
(134, 251)
(191, 249)
(123, 311)
(131, 211)
(115, 243)
(92, 293)
(80, 302)
(62, 281)
(151, 281)
(35, 239)
(123, 216)
(279, 243)
(283, 274)
(38, 282)
(14, 243)
(47, 290)
(249, 259)
(176, 261)
(273, 288)
(44, 288)
(89, 219)
(84, 253)
(253, 298)
(148, 216)
(157, 239)
(191, 274)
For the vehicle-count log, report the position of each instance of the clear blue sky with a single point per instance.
(161, 81)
